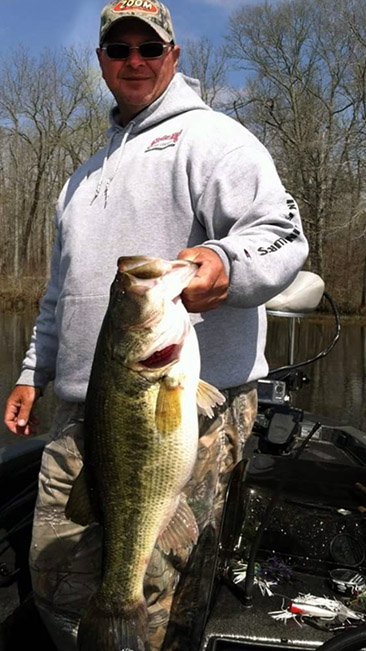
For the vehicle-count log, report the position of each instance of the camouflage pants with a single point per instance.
(65, 558)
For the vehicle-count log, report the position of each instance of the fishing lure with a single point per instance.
(316, 607)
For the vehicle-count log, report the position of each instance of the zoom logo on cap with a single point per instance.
(141, 5)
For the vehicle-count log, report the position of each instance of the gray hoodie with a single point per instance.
(178, 175)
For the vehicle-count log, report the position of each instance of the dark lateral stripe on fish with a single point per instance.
(161, 357)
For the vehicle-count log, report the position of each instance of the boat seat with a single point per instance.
(298, 299)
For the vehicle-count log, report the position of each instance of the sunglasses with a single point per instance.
(150, 50)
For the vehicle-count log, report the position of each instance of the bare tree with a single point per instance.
(51, 117)
(201, 60)
(305, 99)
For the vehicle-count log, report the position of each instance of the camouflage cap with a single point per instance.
(152, 12)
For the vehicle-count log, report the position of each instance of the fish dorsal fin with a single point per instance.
(182, 529)
(208, 397)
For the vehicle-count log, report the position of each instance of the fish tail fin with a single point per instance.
(112, 631)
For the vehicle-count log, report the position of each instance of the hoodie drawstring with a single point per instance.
(107, 183)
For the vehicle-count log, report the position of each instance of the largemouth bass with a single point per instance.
(141, 435)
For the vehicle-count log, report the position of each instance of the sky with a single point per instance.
(37, 24)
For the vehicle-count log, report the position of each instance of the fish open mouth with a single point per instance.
(162, 357)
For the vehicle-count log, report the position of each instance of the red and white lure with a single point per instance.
(318, 607)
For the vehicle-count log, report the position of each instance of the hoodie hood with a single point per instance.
(182, 94)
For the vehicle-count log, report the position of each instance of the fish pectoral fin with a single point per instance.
(208, 397)
(181, 531)
(79, 507)
(168, 412)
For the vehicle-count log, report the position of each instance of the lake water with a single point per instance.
(337, 387)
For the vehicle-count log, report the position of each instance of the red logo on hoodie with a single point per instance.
(162, 142)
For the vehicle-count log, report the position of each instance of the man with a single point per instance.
(176, 179)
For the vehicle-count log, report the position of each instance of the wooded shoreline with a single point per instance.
(21, 294)
(24, 294)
